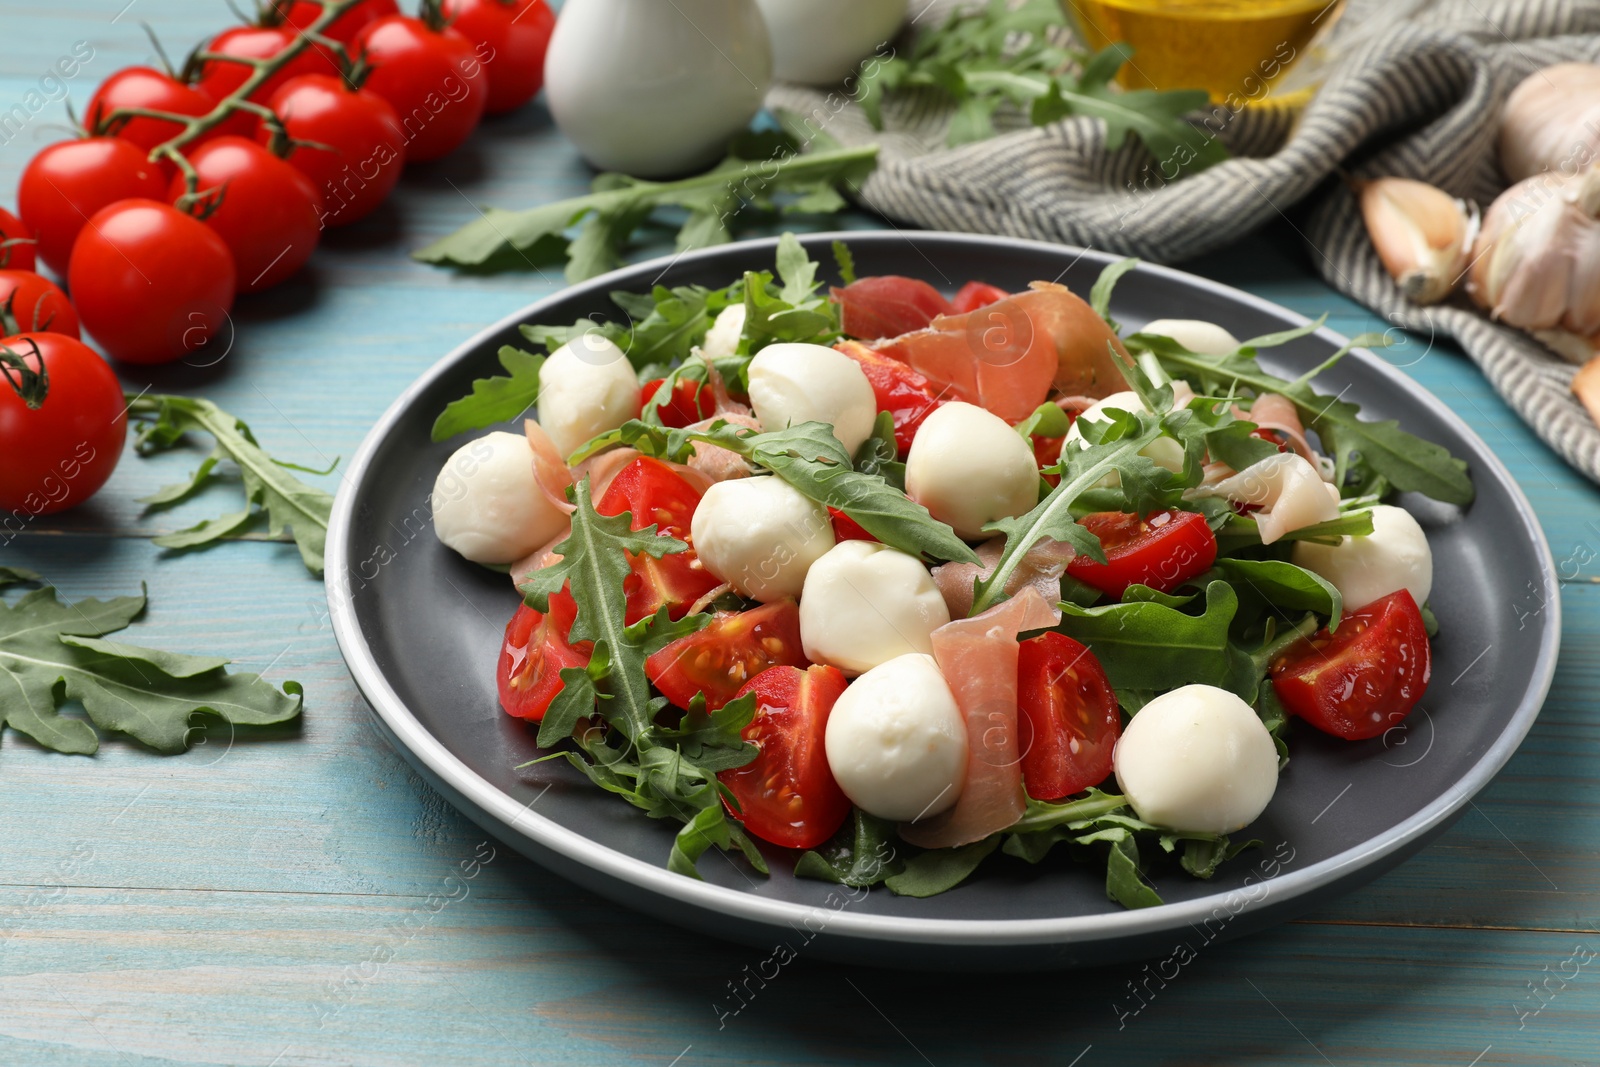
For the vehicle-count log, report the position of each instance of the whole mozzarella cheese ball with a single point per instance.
(897, 742)
(760, 535)
(1206, 338)
(1198, 759)
(722, 340)
(864, 604)
(487, 504)
(586, 387)
(793, 383)
(967, 467)
(1395, 555)
(1163, 451)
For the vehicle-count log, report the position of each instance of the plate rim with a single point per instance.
(652, 878)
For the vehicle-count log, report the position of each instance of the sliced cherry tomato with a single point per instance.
(511, 37)
(68, 182)
(904, 393)
(434, 79)
(267, 212)
(787, 794)
(847, 529)
(150, 283)
(302, 13)
(1273, 437)
(144, 87)
(30, 303)
(691, 401)
(1068, 723)
(17, 243)
(887, 306)
(719, 660)
(652, 492)
(355, 147)
(1162, 550)
(220, 77)
(975, 295)
(1362, 678)
(62, 423)
(534, 654)
(1047, 453)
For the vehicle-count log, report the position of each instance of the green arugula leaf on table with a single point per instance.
(496, 399)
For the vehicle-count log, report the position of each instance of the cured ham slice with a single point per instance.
(550, 469)
(1041, 569)
(888, 305)
(978, 658)
(1277, 413)
(715, 462)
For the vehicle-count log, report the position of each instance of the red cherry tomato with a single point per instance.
(691, 402)
(366, 148)
(847, 529)
(787, 794)
(719, 660)
(534, 653)
(888, 306)
(67, 183)
(511, 37)
(268, 214)
(434, 80)
(17, 243)
(146, 88)
(151, 284)
(652, 492)
(901, 391)
(1068, 723)
(975, 295)
(1162, 550)
(30, 303)
(1363, 678)
(302, 13)
(220, 77)
(1047, 453)
(61, 431)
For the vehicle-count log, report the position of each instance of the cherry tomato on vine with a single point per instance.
(302, 13)
(366, 148)
(512, 36)
(17, 250)
(220, 77)
(30, 303)
(267, 212)
(1162, 550)
(433, 77)
(1068, 722)
(151, 283)
(67, 183)
(146, 88)
(62, 423)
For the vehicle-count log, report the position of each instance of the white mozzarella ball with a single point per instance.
(1394, 556)
(760, 535)
(897, 741)
(1206, 338)
(864, 604)
(722, 340)
(794, 383)
(1197, 758)
(487, 504)
(1163, 451)
(586, 387)
(967, 467)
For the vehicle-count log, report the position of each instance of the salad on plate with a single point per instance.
(899, 581)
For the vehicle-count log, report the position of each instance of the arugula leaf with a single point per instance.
(1239, 532)
(845, 262)
(879, 454)
(496, 399)
(1145, 645)
(288, 503)
(17, 576)
(1203, 855)
(939, 870)
(1125, 884)
(861, 854)
(1286, 586)
(798, 311)
(50, 652)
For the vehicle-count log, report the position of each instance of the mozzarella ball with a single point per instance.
(897, 741)
(1197, 758)
(722, 340)
(967, 467)
(1206, 338)
(864, 604)
(487, 504)
(1395, 555)
(795, 383)
(760, 535)
(1163, 451)
(586, 387)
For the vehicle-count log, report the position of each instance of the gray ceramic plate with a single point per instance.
(420, 628)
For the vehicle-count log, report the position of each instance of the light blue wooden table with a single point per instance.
(265, 902)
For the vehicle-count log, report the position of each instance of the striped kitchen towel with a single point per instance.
(1415, 92)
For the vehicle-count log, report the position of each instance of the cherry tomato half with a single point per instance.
(652, 492)
(62, 436)
(903, 392)
(267, 213)
(975, 295)
(1362, 678)
(68, 182)
(302, 13)
(887, 306)
(1047, 453)
(30, 303)
(144, 87)
(533, 655)
(1068, 723)
(847, 529)
(511, 37)
(365, 146)
(17, 243)
(787, 794)
(691, 401)
(1162, 550)
(220, 77)
(719, 660)
(434, 80)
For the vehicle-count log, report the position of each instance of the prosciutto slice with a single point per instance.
(978, 657)
(1041, 569)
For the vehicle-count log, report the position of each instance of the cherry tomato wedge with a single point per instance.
(719, 660)
(787, 795)
(903, 392)
(1362, 678)
(888, 306)
(975, 295)
(534, 654)
(1068, 722)
(691, 402)
(1047, 453)
(29, 302)
(652, 492)
(66, 184)
(1162, 550)
(847, 529)
(16, 243)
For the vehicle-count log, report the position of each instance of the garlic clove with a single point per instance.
(1536, 264)
(1586, 387)
(1422, 235)
(1551, 122)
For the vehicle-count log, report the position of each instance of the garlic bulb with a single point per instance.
(1421, 234)
(1536, 264)
(1551, 122)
